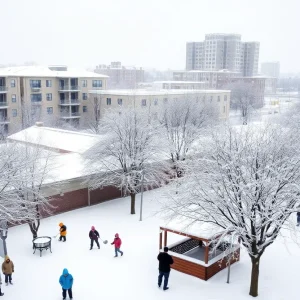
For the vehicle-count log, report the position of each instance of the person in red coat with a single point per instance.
(117, 242)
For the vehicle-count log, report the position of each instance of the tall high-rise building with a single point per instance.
(271, 69)
(223, 51)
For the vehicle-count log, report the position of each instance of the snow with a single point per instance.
(141, 92)
(58, 139)
(41, 240)
(44, 71)
(98, 275)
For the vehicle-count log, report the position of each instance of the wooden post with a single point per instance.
(206, 252)
(160, 240)
(165, 238)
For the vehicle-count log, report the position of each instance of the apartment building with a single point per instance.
(153, 100)
(271, 69)
(121, 77)
(31, 93)
(178, 85)
(223, 51)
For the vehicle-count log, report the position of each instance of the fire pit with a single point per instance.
(42, 243)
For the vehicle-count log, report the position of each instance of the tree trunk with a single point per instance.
(132, 196)
(34, 227)
(254, 277)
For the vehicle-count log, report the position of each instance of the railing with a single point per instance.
(4, 120)
(69, 88)
(3, 104)
(70, 115)
(35, 89)
(36, 102)
(68, 102)
(3, 88)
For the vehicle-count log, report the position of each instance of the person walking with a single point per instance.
(94, 236)
(1, 294)
(66, 282)
(62, 231)
(7, 269)
(117, 242)
(165, 260)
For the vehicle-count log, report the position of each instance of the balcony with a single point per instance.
(69, 88)
(3, 105)
(75, 115)
(36, 102)
(35, 89)
(4, 120)
(3, 89)
(69, 102)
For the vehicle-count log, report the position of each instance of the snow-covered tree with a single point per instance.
(246, 181)
(183, 122)
(243, 99)
(24, 170)
(128, 151)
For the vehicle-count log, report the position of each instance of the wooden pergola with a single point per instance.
(193, 256)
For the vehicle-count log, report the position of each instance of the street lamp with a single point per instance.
(3, 235)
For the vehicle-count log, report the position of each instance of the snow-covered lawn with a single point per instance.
(98, 275)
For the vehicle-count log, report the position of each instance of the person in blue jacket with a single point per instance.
(66, 282)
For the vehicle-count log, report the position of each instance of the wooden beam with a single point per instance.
(206, 253)
(184, 234)
(160, 240)
(165, 237)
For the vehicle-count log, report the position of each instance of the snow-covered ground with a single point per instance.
(98, 275)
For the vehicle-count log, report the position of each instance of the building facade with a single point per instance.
(153, 101)
(32, 93)
(121, 76)
(178, 85)
(271, 69)
(223, 51)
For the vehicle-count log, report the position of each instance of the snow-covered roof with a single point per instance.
(141, 92)
(177, 81)
(45, 71)
(207, 71)
(201, 230)
(58, 139)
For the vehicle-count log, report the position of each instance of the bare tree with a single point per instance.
(183, 122)
(246, 182)
(243, 98)
(92, 118)
(127, 153)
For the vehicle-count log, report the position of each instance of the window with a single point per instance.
(144, 102)
(165, 100)
(224, 110)
(120, 101)
(49, 97)
(155, 101)
(84, 83)
(97, 83)
(35, 83)
(219, 98)
(211, 98)
(108, 101)
(48, 83)
(36, 97)
(13, 98)
(84, 108)
(14, 112)
(84, 96)
(49, 110)
(225, 98)
(13, 83)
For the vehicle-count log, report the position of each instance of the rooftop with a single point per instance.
(141, 92)
(205, 71)
(48, 71)
(178, 81)
(56, 139)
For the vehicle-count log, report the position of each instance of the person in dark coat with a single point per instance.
(298, 218)
(165, 260)
(94, 236)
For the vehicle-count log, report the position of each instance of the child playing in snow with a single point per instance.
(117, 242)
(66, 282)
(94, 235)
(62, 231)
(7, 269)
(1, 294)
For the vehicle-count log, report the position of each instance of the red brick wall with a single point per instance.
(105, 194)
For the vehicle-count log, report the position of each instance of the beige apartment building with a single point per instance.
(54, 94)
(153, 100)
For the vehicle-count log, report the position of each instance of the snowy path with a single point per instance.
(98, 275)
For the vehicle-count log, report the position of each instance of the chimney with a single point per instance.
(39, 124)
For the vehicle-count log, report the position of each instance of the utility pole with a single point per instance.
(142, 193)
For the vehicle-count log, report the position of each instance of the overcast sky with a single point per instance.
(149, 33)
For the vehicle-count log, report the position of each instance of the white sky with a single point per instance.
(149, 33)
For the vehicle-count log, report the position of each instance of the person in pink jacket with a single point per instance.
(117, 242)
